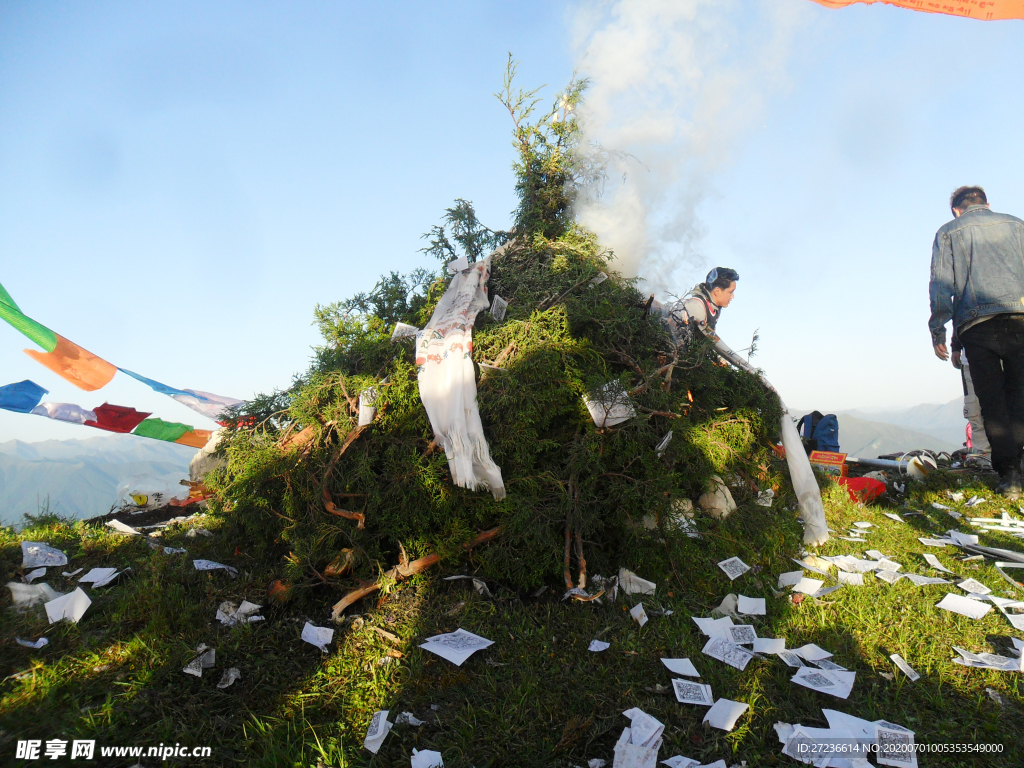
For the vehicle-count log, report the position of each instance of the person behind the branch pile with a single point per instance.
(704, 304)
(977, 281)
(977, 441)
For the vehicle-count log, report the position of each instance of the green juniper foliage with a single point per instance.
(573, 490)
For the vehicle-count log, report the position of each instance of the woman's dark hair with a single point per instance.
(721, 277)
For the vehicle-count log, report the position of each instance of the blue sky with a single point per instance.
(181, 183)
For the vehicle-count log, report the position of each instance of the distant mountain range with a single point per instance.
(80, 478)
(870, 433)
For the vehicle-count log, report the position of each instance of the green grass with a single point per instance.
(537, 697)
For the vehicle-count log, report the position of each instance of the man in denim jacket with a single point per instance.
(977, 281)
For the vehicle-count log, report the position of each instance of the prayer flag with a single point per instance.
(158, 429)
(37, 332)
(985, 10)
(69, 412)
(72, 363)
(195, 438)
(21, 397)
(116, 418)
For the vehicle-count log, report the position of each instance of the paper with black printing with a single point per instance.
(905, 668)
(835, 683)
(498, 307)
(377, 731)
(456, 646)
(402, 330)
(733, 568)
(35, 554)
(210, 565)
(689, 692)
(724, 650)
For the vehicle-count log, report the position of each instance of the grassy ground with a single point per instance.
(537, 697)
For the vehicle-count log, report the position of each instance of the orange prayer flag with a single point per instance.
(985, 10)
(79, 366)
(197, 438)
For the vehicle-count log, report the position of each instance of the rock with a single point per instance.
(718, 503)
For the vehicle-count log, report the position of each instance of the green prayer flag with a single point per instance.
(158, 429)
(38, 332)
(5, 298)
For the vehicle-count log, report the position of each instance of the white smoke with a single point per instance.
(674, 85)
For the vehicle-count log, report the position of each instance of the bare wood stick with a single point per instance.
(581, 560)
(568, 552)
(403, 571)
(328, 501)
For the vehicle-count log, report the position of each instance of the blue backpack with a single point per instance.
(819, 432)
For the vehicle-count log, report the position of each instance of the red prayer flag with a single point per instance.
(985, 10)
(116, 418)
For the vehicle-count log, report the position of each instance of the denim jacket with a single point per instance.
(977, 269)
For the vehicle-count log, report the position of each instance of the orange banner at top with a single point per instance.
(984, 10)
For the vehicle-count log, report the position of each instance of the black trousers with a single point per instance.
(995, 350)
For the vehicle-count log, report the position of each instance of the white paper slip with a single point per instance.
(923, 581)
(742, 634)
(33, 575)
(210, 565)
(71, 607)
(639, 614)
(963, 538)
(895, 747)
(837, 684)
(734, 568)
(769, 644)
(874, 554)
(790, 578)
(751, 606)
(72, 573)
(632, 584)
(456, 646)
(98, 576)
(932, 542)
(377, 731)
(943, 507)
(663, 444)
(893, 516)
(971, 585)
(426, 758)
(734, 655)
(888, 565)
(852, 538)
(498, 307)
(905, 668)
(725, 713)
(864, 525)
(889, 576)
(681, 667)
(601, 277)
(120, 527)
(403, 330)
(596, 646)
(230, 613)
(205, 660)
(810, 566)
(812, 652)
(644, 729)
(714, 627)
(829, 665)
(853, 579)
(681, 762)
(808, 586)
(231, 674)
(609, 405)
(36, 644)
(688, 692)
(972, 609)
(933, 561)
(975, 501)
(790, 658)
(35, 554)
(826, 591)
(318, 636)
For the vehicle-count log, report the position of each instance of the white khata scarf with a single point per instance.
(444, 366)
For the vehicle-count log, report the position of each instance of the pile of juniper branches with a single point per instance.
(337, 505)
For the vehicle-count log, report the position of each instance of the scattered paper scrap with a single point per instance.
(601, 277)
(72, 573)
(37, 644)
(742, 634)
(972, 609)
(853, 579)
(829, 665)
(35, 554)
(734, 568)
(210, 565)
(864, 525)
(836, 683)
(231, 674)
(764, 498)
(987, 661)
(688, 692)
(120, 527)
(889, 576)
(819, 565)
(932, 542)
(905, 668)
(230, 613)
(922, 581)
(812, 652)
(639, 614)
(972, 585)
(790, 658)
(681, 762)
(318, 636)
(725, 713)
(769, 644)
(633, 585)
(498, 307)
(895, 747)
(790, 578)
(596, 646)
(71, 607)
(194, 532)
(933, 561)
(33, 575)
(894, 516)
(408, 718)
(751, 606)
(403, 330)
(808, 586)
(724, 650)
(681, 667)
(378, 731)
(874, 554)
(27, 595)
(714, 627)
(962, 538)
(609, 405)
(975, 501)
(98, 577)
(886, 564)
(206, 659)
(661, 446)
(426, 758)
(943, 507)
(175, 551)
(456, 646)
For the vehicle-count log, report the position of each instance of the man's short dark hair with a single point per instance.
(965, 196)
(721, 277)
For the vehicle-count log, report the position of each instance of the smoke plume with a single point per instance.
(674, 85)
